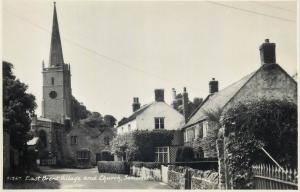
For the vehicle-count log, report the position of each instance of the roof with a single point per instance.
(217, 100)
(33, 141)
(134, 115)
(56, 55)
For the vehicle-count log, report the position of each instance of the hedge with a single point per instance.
(113, 167)
(149, 165)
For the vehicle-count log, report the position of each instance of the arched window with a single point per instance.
(43, 138)
(52, 80)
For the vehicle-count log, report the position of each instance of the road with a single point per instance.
(91, 179)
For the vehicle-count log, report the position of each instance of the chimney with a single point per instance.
(213, 86)
(174, 94)
(136, 104)
(267, 53)
(159, 95)
(185, 101)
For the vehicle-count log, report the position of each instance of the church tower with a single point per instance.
(57, 92)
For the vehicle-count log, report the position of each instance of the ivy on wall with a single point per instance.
(271, 124)
(140, 145)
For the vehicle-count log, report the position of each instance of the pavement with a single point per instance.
(91, 179)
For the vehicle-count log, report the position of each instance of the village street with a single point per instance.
(91, 179)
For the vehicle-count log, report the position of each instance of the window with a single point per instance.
(52, 80)
(200, 130)
(106, 140)
(159, 122)
(162, 154)
(205, 128)
(129, 127)
(190, 134)
(74, 140)
(83, 155)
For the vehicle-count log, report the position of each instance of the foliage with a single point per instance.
(96, 121)
(271, 124)
(110, 120)
(120, 167)
(79, 110)
(18, 107)
(184, 153)
(208, 143)
(139, 145)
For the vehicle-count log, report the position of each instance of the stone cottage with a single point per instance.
(155, 116)
(88, 145)
(269, 81)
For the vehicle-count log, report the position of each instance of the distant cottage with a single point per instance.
(270, 81)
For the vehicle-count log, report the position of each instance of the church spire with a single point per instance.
(56, 55)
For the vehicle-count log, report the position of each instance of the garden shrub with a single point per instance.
(184, 154)
(120, 167)
(271, 124)
(140, 145)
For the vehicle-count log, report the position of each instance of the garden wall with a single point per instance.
(187, 178)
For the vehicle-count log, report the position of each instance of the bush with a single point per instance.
(113, 167)
(271, 124)
(184, 154)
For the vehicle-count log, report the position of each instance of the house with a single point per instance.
(155, 116)
(269, 81)
(88, 145)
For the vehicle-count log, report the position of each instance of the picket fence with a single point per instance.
(271, 177)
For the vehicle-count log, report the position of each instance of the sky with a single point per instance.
(120, 50)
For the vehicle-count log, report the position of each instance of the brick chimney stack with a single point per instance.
(267, 52)
(213, 86)
(159, 95)
(136, 104)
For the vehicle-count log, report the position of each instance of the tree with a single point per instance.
(79, 110)
(110, 120)
(18, 107)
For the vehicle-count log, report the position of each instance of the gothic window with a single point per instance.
(52, 80)
(159, 122)
(74, 140)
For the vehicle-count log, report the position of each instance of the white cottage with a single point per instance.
(156, 115)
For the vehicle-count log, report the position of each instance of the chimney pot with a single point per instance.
(267, 52)
(159, 95)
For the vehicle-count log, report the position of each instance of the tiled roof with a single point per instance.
(134, 115)
(217, 100)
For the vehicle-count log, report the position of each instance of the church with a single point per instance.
(56, 129)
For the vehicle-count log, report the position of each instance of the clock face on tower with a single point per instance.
(53, 94)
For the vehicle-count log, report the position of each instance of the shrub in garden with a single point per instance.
(271, 124)
(113, 167)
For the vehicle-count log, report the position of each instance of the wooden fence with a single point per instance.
(46, 162)
(271, 177)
